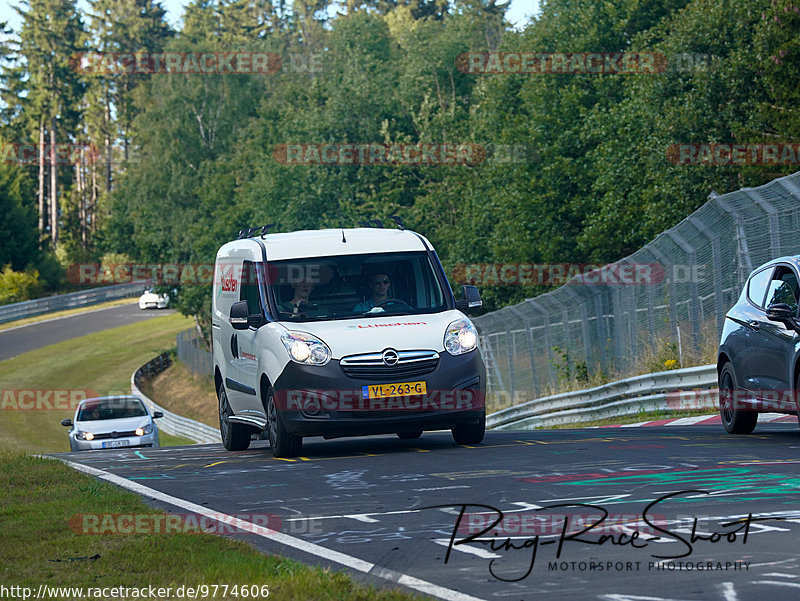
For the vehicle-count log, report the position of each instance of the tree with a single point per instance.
(19, 243)
(50, 37)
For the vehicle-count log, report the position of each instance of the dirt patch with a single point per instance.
(178, 390)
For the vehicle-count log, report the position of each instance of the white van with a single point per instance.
(342, 332)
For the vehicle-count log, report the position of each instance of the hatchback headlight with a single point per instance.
(305, 348)
(461, 337)
(84, 435)
(148, 429)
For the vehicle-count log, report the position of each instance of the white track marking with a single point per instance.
(290, 541)
(482, 553)
(777, 583)
(729, 592)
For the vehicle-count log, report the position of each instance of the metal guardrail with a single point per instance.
(72, 300)
(660, 391)
(650, 392)
(171, 423)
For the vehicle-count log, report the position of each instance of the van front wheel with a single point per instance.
(470, 433)
(282, 442)
(235, 437)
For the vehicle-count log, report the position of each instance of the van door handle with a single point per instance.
(235, 346)
(753, 324)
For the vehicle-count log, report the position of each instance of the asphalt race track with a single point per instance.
(722, 524)
(681, 513)
(22, 339)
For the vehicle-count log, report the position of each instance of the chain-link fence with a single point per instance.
(193, 354)
(671, 318)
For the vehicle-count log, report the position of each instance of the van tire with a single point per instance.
(470, 433)
(281, 441)
(235, 437)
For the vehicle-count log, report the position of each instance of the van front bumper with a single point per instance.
(324, 401)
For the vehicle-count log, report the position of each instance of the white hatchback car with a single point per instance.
(112, 422)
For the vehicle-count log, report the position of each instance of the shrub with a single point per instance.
(16, 286)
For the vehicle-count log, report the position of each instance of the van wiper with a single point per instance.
(304, 316)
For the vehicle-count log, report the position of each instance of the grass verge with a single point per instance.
(181, 392)
(39, 497)
(66, 312)
(100, 363)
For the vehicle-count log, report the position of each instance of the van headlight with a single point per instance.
(461, 337)
(305, 348)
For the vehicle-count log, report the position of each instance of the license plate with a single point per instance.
(112, 444)
(378, 391)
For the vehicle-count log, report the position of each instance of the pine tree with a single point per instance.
(49, 40)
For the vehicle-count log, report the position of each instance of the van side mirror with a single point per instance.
(256, 321)
(471, 299)
(239, 315)
(66, 422)
(781, 312)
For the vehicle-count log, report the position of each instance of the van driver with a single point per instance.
(379, 288)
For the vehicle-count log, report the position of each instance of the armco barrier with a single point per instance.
(624, 397)
(171, 423)
(72, 300)
(648, 392)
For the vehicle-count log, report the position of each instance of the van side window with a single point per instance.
(249, 291)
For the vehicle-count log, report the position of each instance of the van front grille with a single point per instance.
(371, 366)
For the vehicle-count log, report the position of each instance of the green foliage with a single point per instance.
(17, 286)
(593, 183)
(18, 235)
(567, 371)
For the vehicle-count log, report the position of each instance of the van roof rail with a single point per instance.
(379, 224)
(249, 232)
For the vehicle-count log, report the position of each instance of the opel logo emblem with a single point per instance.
(390, 357)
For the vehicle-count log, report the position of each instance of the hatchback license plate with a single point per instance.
(379, 391)
(112, 444)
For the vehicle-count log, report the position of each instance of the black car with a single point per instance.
(758, 355)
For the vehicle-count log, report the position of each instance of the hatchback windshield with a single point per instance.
(355, 286)
(111, 409)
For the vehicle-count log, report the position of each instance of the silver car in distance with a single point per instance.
(112, 422)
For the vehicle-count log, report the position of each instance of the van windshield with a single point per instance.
(355, 286)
